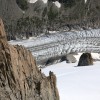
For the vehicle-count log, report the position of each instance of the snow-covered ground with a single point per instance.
(77, 83)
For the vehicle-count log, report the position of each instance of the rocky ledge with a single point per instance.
(20, 78)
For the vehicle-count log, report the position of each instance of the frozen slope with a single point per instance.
(77, 83)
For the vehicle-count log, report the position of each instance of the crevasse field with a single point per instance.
(77, 83)
(62, 43)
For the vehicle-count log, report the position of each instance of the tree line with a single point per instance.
(73, 13)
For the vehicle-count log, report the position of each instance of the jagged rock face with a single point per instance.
(20, 78)
(85, 60)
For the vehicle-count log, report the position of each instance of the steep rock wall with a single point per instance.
(20, 78)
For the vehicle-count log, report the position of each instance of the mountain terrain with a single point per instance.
(24, 19)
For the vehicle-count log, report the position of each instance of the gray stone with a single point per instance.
(85, 60)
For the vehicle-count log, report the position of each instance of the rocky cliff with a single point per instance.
(20, 78)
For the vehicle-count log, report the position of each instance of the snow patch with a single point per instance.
(33, 1)
(95, 56)
(57, 4)
(85, 1)
(45, 1)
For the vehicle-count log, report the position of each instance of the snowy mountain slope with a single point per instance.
(76, 83)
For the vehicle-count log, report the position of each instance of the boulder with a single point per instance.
(85, 60)
(20, 78)
(70, 58)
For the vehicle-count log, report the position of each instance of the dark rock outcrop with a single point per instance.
(85, 60)
(20, 78)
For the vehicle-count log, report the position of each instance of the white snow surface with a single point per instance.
(76, 83)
